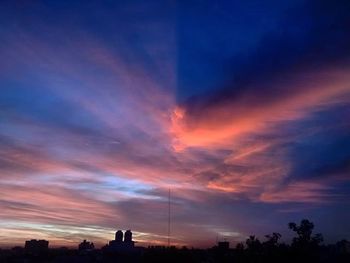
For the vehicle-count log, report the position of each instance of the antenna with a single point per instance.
(169, 218)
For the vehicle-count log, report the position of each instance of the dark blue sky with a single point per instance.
(240, 107)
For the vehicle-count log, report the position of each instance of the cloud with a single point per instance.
(94, 133)
(271, 116)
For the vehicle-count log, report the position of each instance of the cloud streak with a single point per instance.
(95, 129)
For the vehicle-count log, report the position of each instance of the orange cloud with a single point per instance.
(217, 125)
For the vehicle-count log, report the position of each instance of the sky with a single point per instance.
(240, 108)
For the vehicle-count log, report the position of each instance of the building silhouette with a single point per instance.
(36, 246)
(86, 246)
(119, 236)
(128, 239)
(223, 245)
(118, 244)
(128, 236)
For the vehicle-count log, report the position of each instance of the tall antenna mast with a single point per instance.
(169, 218)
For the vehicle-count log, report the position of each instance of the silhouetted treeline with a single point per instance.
(305, 247)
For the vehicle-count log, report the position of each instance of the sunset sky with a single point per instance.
(241, 108)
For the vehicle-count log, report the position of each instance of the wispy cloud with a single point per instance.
(95, 127)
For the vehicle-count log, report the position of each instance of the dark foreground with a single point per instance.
(305, 247)
(281, 254)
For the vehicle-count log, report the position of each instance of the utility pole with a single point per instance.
(169, 218)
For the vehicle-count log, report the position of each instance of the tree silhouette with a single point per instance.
(272, 240)
(306, 246)
(304, 232)
(253, 243)
(240, 246)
